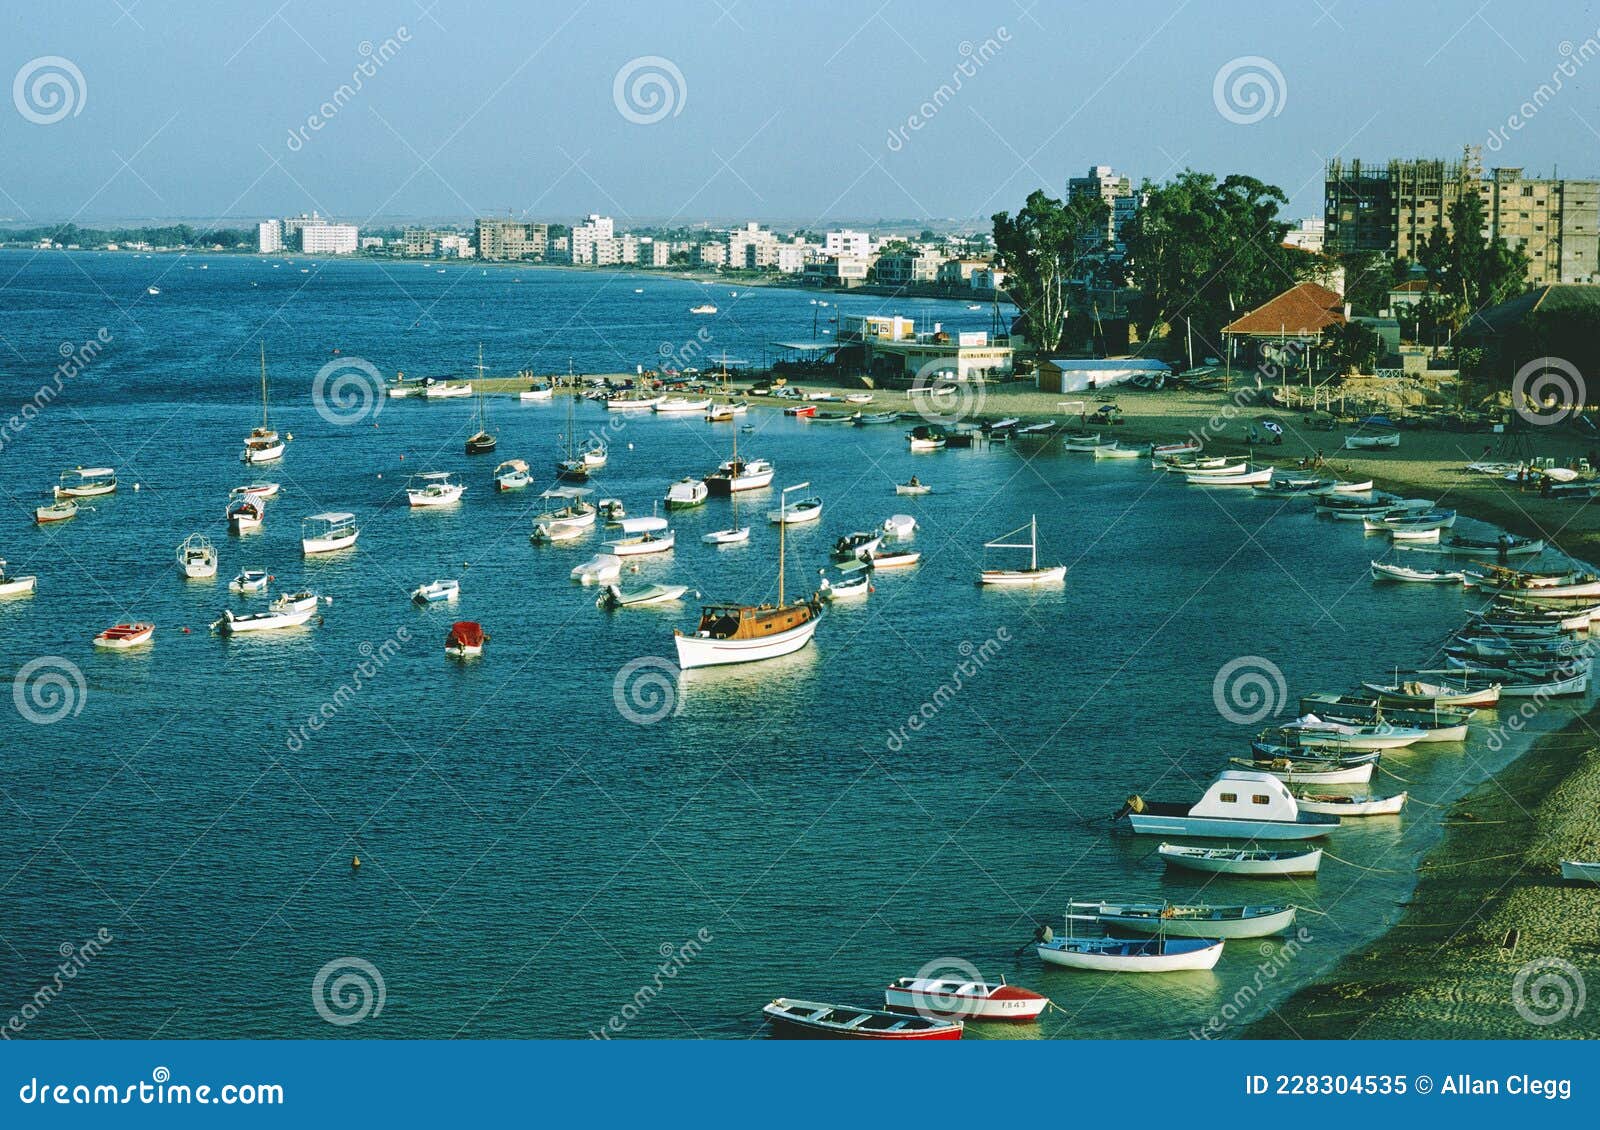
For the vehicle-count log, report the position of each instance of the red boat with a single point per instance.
(808, 1020)
(800, 410)
(124, 636)
(965, 1000)
(465, 639)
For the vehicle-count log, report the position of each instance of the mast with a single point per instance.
(783, 512)
(263, 386)
(483, 423)
(1033, 543)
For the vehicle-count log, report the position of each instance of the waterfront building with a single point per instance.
(323, 238)
(902, 268)
(958, 272)
(791, 258)
(1285, 331)
(269, 237)
(712, 254)
(853, 244)
(896, 353)
(840, 270)
(752, 247)
(512, 239)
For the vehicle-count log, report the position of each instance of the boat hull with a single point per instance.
(1221, 828)
(1576, 869)
(703, 651)
(1200, 958)
(998, 1007)
(310, 546)
(1302, 863)
(1051, 576)
(1258, 926)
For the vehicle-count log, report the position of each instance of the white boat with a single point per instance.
(892, 559)
(915, 486)
(1240, 804)
(703, 308)
(850, 585)
(1247, 862)
(633, 403)
(262, 491)
(246, 513)
(328, 533)
(197, 557)
(86, 482)
(1033, 574)
(1315, 731)
(262, 445)
(16, 586)
(1384, 572)
(1131, 955)
(537, 392)
(600, 569)
(926, 437)
(735, 475)
(566, 515)
(736, 535)
(1216, 465)
(437, 592)
(615, 596)
(899, 525)
(796, 513)
(687, 492)
(1360, 443)
(433, 488)
(1428, 693)
(1338, 804)
(644, 524)
(1175, 450)
(640, 545)
(1576, 869)
(1117, 451)
(964, 999)
(62, 511)
(513, 474)
(250, 581)
(1179, 920)
(288, 611)
(1401, 522)
(678, 405)
(445, 390)
(1307, 771)
(122, 637)
(1242, 479)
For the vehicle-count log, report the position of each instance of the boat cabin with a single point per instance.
(749, 622)
(1242, 794)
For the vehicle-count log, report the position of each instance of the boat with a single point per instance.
(1131, 955)
(1280, 763)
(1435, 693)
(197, 557)
(868, 419)
(801, 411)
(615, 596)
(644, 524)
(687, 492)
(482, 441)
(263, 491)
(852, 583)
(433, 389)
(1385, 572)
(856, 546)
(736, 535)
(16, 585)
(1576, 869)
(1033, 574)
(735, 474)
(680, 405)
(1289, 488)
(328, 533)
(703, 308)
(246, 513)
(566, 515)
(796, 513)
(1259, 863)
(892, 559)
(1196, 920)
(437, 592)
(1175, 450)
(262, 445)
(86, 482)
(540, 391)
(1041, 430)
(152, 290)
(858, 398)
(1364, 443)
(1340, 804)
(1216, 465)
(290, 610)
(465, 640)
(61, 511)
(1311, 732)
(899, 525)
(1118, 451)
(125, 636)
(640, 545)
(915, 486)
(513, 474)
(250, 581)
(745, 633)
(1437, 725)
(927, 437)
(1244, 804)
(1504, 545)
(811, 1020)
(1242, 479)
(433, 489)
(598, 570)
(963, 999)
(633, 402)
(574, 466)
(1400, 523)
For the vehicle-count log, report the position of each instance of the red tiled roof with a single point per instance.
(1305, 309)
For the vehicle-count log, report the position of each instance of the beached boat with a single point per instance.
(1241, 479)
(1118, 451)
(721, 413)
(743, 633)
(1504, 545)
(328, 533)
(1406, 522)
(687, 492)
(801, 411)
(811, 1020)
(513, 474)
(1175, 450)
(16, 585)
(638, 596)
(437, 592)
(1256, 863)
(1338, 804)
(600, 569)
(964, 1000)
(1177, 920)
(633, 402)
(1386, 572)
(565, 517)
(197, 557)
(537, 392)
(1437, 725)
(250, 582)
(482, 441)
(640, 545)
(1578, 870)
(465, 640)
(434, 389)
(1033, 574)
(680, 405)
(62, 511)
(246, 513)
(86, 482)
(1242, 804)
(796, 513)
(1365, 443)
(1289, 488)
(262, 445)
(1312, 732)
(915, 486)
(1131, 955)
(431, 489)
(1279, 762)
(125, 636)
(1434, 693)
(867, 420)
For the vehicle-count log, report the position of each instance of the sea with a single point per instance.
(568, 838)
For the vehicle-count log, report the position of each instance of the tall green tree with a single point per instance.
(1040, 249)
(1467, 270)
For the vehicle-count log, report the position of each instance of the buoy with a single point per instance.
(135, 486)
(630, 446)
(185, 631)
(355, 863)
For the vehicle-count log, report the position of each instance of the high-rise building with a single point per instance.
(752, 247)
(1555, 222)
(269, 236)
(323, 238)
(512, 239)
(591, 240)
(851, 244)
(1117, 191)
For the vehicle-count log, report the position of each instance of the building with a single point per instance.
(712, 254)
(1060, 374)
(588, 238)
(895, 353)
(660, 254)
(419, 242)
(854, 244)
(269, 237)
(840, 270)
(1117, 191)
(791, 258)
(905, 268)
(1285, 330)
(512, 239)
(987, 279)
(371, 243)
(958, 272)
(752, 247)
(1310, 234)
(323, 238)
(1555, 222)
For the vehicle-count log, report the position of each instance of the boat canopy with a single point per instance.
(331, 516)
(567, 492)
(1247, 794)
(89, 473)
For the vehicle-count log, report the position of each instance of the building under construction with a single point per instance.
(1394, 207)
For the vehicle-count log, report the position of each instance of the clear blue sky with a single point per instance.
(783, 113)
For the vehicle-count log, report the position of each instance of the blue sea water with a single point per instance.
(557, 840)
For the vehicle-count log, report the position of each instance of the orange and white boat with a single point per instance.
(124, 636)
(960, 999)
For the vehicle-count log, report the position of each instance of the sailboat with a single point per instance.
(482, 441)
(262, 445)
(745, 633)
(733, 535)
(1033, 574)
(735, 474)
(729, 408)
(574, 468)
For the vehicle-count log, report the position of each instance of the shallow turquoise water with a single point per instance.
(528, 852)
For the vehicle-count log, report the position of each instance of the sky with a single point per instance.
(814, 114)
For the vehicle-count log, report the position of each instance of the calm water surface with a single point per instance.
(529, 853)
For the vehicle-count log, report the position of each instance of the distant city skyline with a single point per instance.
(722, 111)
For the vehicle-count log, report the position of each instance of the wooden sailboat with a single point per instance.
(744, 633)
(262, 445)
(1033, 574)
(482, 441)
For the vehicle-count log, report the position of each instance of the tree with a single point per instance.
(1467, 271)
(1351, 346)
(1038, 249)
(1369, 276)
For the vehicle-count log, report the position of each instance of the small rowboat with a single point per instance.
(250, 581)
(16, 586)
(256, 490)
(1575, 869)
(437, 592)
(1383, 572)
(125, 636)
(1436, 694)
(1310, 772)
(1135, 955)
(86, 482)
(600, 569)
(617, 597)
(913, 487)
(1362, 443)
(856, 583)
(810, 1020)
(465, 640)
(1241, 479)
(56, 512)
(795, 513)
(1335, 804)
(964, 1000)
(1197, 920)
(902, 559)
(735, 535)
(1175, 450)
(1250, 862)
(1117, 451)
(641, 544)
(1201, 468)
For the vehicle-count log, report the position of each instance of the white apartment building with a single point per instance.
(660, 253)
(323, 238)
(851, 244)
(587, 237)
(269, 237)
(791, 258)
(1309, 235)
(713, 254)
(752, 246)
